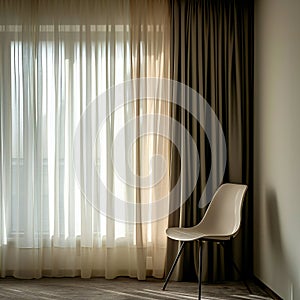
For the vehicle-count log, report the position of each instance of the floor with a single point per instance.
(122, 288)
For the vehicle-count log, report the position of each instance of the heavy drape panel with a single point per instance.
(56, 58)
(212, 52)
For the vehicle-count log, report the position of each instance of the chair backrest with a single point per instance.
(223, 215)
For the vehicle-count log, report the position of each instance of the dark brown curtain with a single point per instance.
(212, 52)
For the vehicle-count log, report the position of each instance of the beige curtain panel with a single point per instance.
(56, 58)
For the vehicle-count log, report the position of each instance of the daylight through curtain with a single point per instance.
(58, 62)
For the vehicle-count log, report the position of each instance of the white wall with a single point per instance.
(277, 145)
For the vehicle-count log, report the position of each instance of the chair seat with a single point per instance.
(193, 234)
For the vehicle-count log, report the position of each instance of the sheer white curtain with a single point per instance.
(56, 58)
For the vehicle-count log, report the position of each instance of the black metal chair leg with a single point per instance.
(200, 270)
(173, 266)
(238, 270)
(240, 273)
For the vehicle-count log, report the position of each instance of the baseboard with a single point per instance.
(266, 289)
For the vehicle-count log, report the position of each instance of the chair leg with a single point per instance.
(173, 266)
(238, 270)
(200, 270)
(240, 273)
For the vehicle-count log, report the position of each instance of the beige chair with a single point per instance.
(221, 222)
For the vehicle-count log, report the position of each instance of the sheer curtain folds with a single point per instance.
(56, 58)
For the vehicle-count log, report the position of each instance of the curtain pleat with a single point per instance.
(212, 52)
